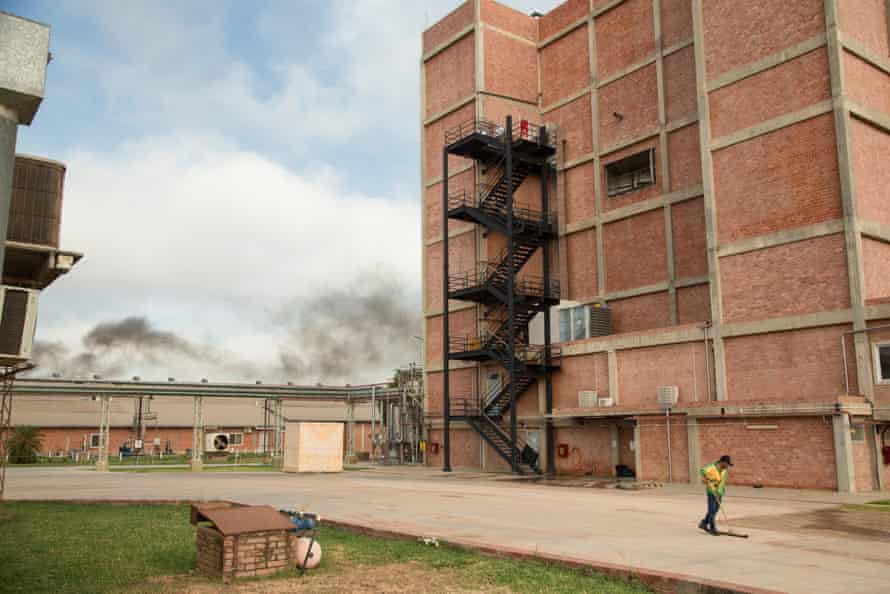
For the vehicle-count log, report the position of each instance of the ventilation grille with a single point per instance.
(12, 326)
(600, 320)
(587, 399)
(667, 395)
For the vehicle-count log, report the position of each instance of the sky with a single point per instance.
(243, 179)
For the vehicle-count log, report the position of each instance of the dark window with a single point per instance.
(631, 173)
(884, 360)
(94, 440)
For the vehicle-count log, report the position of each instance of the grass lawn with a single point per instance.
(66, 548)
(878, 506)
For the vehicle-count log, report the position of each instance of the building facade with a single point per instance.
(722, 192)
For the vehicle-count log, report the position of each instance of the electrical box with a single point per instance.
(562, 450)
(17, 325)
(313, 447)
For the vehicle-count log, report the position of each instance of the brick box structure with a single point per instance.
(746, 263)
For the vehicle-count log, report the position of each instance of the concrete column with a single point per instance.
(613, 376)
(104, 421)
(843, 454)
(197, 462)
(613, 445)
(638, 459)
(8, 131)
(692, 446)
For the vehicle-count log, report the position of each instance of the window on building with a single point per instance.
(235, 439)
(573, 323)
(631, 173)
(882, 362)
(94, 440)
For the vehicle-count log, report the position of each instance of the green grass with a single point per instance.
(114, 460)
(66, 548)
(875, 506)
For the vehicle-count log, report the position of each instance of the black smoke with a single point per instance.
(339, 336)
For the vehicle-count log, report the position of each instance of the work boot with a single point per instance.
(703, 526)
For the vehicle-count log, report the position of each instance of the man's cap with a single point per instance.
(726, 458)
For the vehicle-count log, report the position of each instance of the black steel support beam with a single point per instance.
(446, 400)
(511, 308)
(548, 355)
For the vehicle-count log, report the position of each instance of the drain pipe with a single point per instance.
(667, 416)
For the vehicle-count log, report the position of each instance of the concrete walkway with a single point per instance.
(654, 529)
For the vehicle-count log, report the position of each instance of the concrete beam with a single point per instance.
(448, 43)
(632, 210)
(566, 100)
(781, 238)
(627, 71)
(868, 115)
(451, 174)
(613, 376)
(452, 307)
(783, 121)
(626, 142)
(863, 53)
(618, 342)
(875, 230)
(843, 454)
(786, 323)
(748, 70)
(448, 110)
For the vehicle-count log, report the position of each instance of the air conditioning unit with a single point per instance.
(667, 395)
(216, 442)
(600, 320)
(587, 398)
(606, 402)
(19, 307)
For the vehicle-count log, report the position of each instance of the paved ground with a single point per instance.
(651, 529)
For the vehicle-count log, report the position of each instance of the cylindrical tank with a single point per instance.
(35, 214)
(314, 556)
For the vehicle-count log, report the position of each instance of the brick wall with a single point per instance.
(508, 19)
(590, 450)
(869, 147)
(863, 465)
(458, 19)
(642, 371)
(791, 279)
(635, 98)
(511, 66)
(676, 21)
(798, 454)
(641, 313)
(565, 67)
(462, 384)
(244, 555)
(560, 17)
(460, 323)
(866, 22)
(786, 88)
(679, 84)
(581, 265)
(582, 372)
(694, 304)
(579, 195)
(739, 33)
(624, 36)
(654, 461)
(782, 180)
(786, 366)
(640, 240)
(450, 76)
(690, 243)
(685, 158)
(876, 265)
(575, 131)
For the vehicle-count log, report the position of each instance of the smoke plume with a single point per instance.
(336, 337)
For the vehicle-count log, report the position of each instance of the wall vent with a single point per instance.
(600, 320)
(667, 395)
(587, 399)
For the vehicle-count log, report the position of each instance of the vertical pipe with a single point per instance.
(550, 459)
(511, 310)
(707, 362)
(446, 398)
(846, 373)
(667, 416)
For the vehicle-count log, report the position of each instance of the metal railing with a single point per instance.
(522, 217)
(525, 354)
(474, 126)
(488, 272)
(523, 130)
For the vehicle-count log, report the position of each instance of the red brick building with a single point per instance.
(722, 189)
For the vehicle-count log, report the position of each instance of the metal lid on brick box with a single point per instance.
(241, 519)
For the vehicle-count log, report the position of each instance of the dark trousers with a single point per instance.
(713, 508)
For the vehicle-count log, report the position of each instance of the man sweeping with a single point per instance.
(714, 475)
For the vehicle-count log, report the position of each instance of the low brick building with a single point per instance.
(721, 185)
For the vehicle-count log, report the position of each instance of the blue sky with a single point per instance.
(232, 164)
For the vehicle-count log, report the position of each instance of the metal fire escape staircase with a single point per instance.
(510, 300)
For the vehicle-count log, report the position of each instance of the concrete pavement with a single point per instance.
(652, 529)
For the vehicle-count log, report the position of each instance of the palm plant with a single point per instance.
(24, 444)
